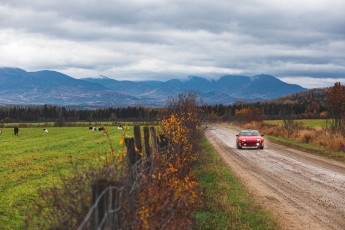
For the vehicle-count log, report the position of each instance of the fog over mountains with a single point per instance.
(18, 86)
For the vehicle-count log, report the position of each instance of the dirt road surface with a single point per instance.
(302, 191)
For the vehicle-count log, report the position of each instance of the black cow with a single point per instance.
(101, 129)
(16, 131)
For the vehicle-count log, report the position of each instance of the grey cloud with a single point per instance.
(119, 38)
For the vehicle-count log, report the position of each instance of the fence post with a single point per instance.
(130, 150)
(153, 139)
(147, 142)
(137, 140)
(117, 200)
(163, 143)
(100, 210)
(113, 220)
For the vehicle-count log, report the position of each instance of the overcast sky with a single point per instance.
(298, 41)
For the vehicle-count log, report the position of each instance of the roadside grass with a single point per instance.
(311, 123)
(36, 159)
(310, 148)
(317, 141)
(225, 202)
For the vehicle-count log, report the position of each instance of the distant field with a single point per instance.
(72, 124)
(36, 159)
(312, 123)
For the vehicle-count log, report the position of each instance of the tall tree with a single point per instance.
(336, 106)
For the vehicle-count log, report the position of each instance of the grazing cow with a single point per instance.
(119, 127)
(16, 131)
(45, 130)
(101, 129)
(91, 128)
(0, 132)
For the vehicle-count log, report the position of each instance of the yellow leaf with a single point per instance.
(121, 141)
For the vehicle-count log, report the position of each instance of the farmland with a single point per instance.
(36, 159)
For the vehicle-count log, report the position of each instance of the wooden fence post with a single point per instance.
(117, 203)
(113, 220)
(130, 150)
(100, 210)
(154, 139)
(147, 142)
(163, 145)
(137, 138)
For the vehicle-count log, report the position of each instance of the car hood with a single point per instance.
(250, 137)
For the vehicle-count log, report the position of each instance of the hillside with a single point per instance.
(226, 90)
(18, 86)
(315, 95)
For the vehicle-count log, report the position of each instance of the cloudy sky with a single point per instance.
(298, 41)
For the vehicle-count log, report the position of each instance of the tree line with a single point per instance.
(239, 110)
(48, 113)
(312, 104)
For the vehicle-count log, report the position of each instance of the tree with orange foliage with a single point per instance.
(169, 192)
(249, 114)
(336, 106)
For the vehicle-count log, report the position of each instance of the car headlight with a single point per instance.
(243, 140)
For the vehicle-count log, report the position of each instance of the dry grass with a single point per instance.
(295, 131)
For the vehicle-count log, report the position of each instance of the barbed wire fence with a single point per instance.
(107, 201)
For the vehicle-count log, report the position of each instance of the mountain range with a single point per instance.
(18, 86)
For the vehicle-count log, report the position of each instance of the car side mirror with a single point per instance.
(262, 135)
(237, 135)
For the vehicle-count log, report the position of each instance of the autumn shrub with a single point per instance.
(305, 136)
(248, 114)
(158, 191)
(169, 194)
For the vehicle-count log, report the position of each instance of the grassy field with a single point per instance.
(226, 204)
(35, 159)
(73, 123)
(312, 123)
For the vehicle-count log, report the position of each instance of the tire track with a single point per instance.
(301, 190)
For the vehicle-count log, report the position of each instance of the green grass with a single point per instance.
(35, 159)
(225, 202)
(311, 123)
(74, 123)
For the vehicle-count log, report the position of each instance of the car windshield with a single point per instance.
(249, 133)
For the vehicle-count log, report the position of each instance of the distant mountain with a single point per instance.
(226, 90)
(49, 87)
(18, 86)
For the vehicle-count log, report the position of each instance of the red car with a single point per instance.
(249, 139)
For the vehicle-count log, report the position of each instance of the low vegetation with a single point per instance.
(225, 203)
(158, 189)
(36, 159)
(321, 140)
(311, 123)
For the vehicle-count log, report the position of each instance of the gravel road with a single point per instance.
(302, 191)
